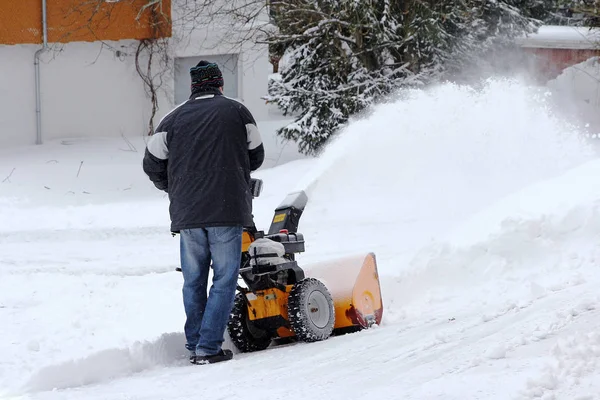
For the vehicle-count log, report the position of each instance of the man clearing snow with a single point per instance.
(202, 154)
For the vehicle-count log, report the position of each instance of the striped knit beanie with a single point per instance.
(206, 74)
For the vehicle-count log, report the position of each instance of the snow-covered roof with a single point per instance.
(563, 37)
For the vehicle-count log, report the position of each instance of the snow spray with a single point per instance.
(422, 164)
(339, 146)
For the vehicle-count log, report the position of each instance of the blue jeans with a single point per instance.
(207, 316)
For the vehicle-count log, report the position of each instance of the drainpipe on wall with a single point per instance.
(36, 63)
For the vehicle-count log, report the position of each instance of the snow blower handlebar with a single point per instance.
(287, 214)
(256, 186)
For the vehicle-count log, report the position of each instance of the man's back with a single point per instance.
(213, 145)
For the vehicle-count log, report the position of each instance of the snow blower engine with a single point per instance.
(281, 300)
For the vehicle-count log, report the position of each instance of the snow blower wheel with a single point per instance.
(311, 311)
(244, 335)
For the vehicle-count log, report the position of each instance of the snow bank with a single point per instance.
(526, 259)
(527, 267)
(111, 364)
(562, 196)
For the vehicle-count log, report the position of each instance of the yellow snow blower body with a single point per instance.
(309, 303)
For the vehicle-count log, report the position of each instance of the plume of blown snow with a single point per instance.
(418, 166)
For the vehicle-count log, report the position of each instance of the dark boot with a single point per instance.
(223, 355)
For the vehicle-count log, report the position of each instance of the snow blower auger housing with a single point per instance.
(281, 300)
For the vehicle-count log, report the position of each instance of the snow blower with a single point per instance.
(284, 301)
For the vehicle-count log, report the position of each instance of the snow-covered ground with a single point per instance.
(482, 208)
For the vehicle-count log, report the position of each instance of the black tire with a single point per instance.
(246, 337)
(310, 310)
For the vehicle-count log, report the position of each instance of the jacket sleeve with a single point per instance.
(156, 156)
(256, 150)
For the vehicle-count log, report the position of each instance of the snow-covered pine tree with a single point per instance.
(344, 55)
(574, 13)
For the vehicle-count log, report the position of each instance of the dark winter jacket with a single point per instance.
(202, 154)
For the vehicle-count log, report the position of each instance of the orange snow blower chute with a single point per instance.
(310, 303)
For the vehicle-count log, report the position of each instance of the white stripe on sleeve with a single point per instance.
(157, 145)
(254, 139)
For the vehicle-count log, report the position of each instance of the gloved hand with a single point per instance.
(162, 185)
(256, 187)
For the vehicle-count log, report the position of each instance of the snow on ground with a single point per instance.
(482, 208)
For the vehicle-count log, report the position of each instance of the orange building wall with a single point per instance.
(80, 20)
(551, 62)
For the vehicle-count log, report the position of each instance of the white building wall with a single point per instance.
(87, 90)
(17, 95)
